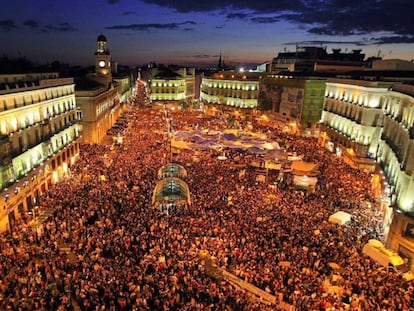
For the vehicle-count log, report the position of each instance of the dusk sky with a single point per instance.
(189, 32)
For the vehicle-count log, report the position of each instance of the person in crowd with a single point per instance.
(127, 255)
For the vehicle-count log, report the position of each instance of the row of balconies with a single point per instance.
(349, 109)
(25, 102)
(47, 146)
(230, 87)
(235, 96)
(346, 141)
(206, 88)
(45, 135)
(357, 120)
(403, 125)
(61, 126)
(174, 92)
(344, 100)
(40, 123)
(56, 110)
(398, 119)
(396, 148)
(348, 101)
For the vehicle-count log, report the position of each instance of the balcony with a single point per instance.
(5, 159)
(398, 118)
(15, 152)
(396, 149)
(4, 138)
(411, 132)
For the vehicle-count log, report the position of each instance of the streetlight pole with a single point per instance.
(170, 148)
(169, 131)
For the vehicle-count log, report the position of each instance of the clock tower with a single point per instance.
(102, 57)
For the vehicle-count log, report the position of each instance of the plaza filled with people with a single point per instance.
(122, 254)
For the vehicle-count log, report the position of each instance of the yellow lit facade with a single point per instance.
(98, 97)
(98, 110)
(38, 140)
(168, 90)
(352, 115)
(396, 158)
(238, 92)
(172, 84)
(377, 120)
(396, 148)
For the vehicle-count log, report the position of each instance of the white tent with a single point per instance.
(304, 181)
(340, 218)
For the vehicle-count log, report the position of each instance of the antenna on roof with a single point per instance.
(379, 53)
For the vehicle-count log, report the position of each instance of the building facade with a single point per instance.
(396, 158)
(392, 64)
(231, 89)
(353, 117)
(125, 87)
(376, 121)
(316, 58)
(98, 97)
(172, 84)
(39, 139)
(98, 110)
(297, 100)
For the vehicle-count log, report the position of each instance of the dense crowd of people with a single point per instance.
(127, 255)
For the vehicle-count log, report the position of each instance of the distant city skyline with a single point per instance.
(196, 32)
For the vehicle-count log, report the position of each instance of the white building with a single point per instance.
(396, 158)
(38, 138)
(353, 116)
(232, 89)
(172, 84)
(376, 120)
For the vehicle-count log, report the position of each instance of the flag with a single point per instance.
(409, 231)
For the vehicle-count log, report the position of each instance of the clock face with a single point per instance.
(101, 63)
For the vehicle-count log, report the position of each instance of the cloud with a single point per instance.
(145, 27)
(31, 24)
(322, 42)
(362, 42)
(263, 6)
(238, 15)
(320, 17)
(253, 18)
(61, 27)
(7, 25)
(393, 39)
(202, 56)
(265, 20)
(128, 13)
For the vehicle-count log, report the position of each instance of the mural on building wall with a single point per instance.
(292, 101)
(270, 96)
